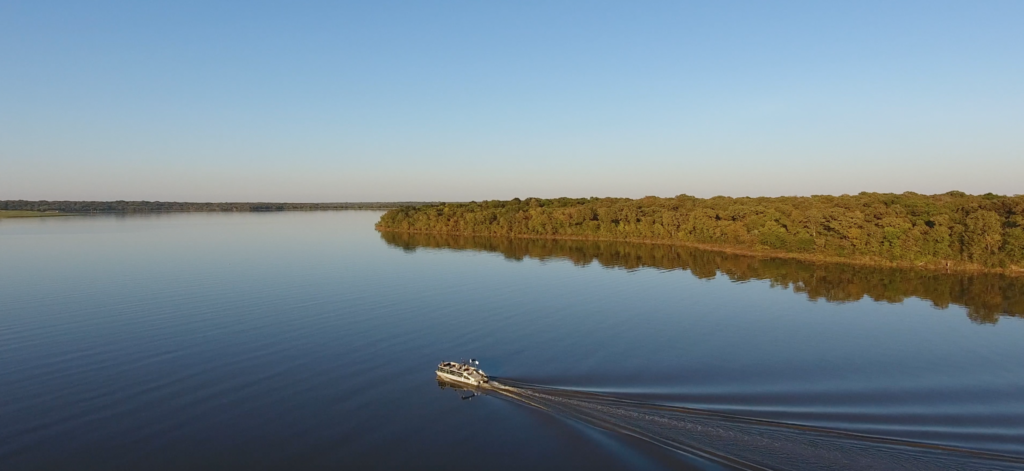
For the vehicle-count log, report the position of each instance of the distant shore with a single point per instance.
(30, 214)
(83, 207)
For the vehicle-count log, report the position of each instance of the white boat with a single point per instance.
(462, 372)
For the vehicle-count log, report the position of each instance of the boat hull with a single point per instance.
(458, 379)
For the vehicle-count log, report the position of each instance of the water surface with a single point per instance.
(281, 340)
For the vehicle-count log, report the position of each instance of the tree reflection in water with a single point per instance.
(987, 296)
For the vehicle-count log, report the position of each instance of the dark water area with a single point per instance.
(309, 340)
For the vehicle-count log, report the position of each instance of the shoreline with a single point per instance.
(953, 267)
(34, 214)
(13, 214)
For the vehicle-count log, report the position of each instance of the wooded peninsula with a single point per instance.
(952, 231)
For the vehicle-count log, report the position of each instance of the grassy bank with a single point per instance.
(956, 266)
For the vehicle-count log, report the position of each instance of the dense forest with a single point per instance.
(157, 206)
(950, 230)
(986, 296)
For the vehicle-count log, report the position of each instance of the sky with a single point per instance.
(456, 101)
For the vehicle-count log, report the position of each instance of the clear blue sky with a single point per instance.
(335, 101)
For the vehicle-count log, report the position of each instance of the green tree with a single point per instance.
(983, 235)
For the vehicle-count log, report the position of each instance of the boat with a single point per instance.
(462, 372)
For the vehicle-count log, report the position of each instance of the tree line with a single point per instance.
(986, 296)
(952, 229)
(161, 206)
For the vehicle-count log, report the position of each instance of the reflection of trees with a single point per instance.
(986, 296)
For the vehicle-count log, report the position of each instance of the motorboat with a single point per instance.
(462, 372)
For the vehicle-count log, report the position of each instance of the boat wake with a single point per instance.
(747, 443)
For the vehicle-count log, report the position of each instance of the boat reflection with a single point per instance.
(465, 391)
(986, 296)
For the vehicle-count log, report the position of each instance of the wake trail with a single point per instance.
(748, 443)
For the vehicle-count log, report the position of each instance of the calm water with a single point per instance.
(288, 340)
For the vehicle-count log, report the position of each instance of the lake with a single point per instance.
(309, 340)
